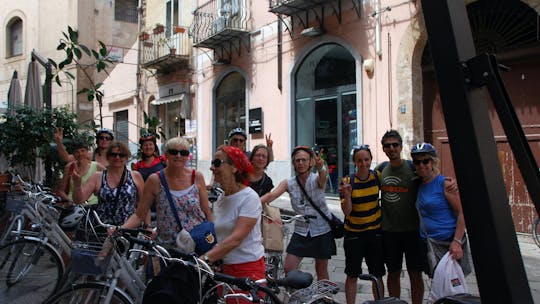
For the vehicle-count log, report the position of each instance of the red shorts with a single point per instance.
(255, 270)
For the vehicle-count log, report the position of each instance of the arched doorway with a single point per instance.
(325, 107)
(509, 30)
(230, 106)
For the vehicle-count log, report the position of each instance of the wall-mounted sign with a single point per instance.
(116, 54)
(255, 121)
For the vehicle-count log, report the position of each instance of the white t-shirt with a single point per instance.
(245, 203)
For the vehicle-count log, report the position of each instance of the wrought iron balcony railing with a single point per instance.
(292, 7)
(217, 22)
(165, 49)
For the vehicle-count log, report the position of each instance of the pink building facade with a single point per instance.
(334, 74)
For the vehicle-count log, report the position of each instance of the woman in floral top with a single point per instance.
(117, 188)
(188, 191)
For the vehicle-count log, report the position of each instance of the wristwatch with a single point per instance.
(458, 241)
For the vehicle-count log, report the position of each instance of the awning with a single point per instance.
(168, 99)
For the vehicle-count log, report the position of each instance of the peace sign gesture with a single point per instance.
(269, 141)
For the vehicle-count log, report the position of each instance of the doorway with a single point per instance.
(325, 108)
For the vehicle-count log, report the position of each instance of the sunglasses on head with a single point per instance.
(114, 154)
(361, 147)
(393, 145)
(423, 161)
(218, 161)
(105, 137)
(176, 152)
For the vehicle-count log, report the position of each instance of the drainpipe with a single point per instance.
(139, 50)
(378, 48)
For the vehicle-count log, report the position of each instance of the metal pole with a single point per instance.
(499, 267)
(47, 97)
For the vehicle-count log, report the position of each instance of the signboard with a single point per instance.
(116, 54)
(255, 121)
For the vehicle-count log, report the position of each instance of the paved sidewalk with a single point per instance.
(336, 266)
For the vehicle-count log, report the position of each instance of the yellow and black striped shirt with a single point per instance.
(366, 211)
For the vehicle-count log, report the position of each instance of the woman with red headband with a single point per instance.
(313, 239)
(237, 217)
(151, 161)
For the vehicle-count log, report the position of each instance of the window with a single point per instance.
(125, 10)
(230, 106)
(14, 38)
(121, 126)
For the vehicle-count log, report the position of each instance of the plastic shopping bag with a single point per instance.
(448, 279)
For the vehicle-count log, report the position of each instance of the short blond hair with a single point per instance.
(177, 141)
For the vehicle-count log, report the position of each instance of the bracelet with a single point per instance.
(460, 242)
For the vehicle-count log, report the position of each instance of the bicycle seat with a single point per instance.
(296, 279)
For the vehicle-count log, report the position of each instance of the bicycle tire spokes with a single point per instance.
(29, 272)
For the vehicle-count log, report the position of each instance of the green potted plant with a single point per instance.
(166, 41)
(27, 134)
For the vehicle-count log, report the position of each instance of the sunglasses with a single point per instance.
(105, 138)
(361, 147)
(114, 154)
(218, 161)
(424, 161)
(239, 140)
(176, 152)
(393, 145)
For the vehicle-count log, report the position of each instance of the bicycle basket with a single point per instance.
(315, 291)
(85, 259)
(15, 202)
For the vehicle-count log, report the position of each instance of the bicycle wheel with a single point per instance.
(89, 293)
(30, 272)
(16, 224)
(536, 231)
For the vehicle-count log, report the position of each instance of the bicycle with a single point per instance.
(274, 259)
(271, 288)
(536, 231)
(31, 261)
(107, 274)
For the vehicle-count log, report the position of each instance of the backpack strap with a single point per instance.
(193, 176)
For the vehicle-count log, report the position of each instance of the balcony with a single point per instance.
(305, 12)
(166, 50)
(220, 27)
(293, 7)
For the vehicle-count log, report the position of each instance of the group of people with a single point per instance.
(413, 195)
(417, 202)
(124, 197)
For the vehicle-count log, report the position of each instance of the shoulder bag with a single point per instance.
(337, 226)
(204, 234)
